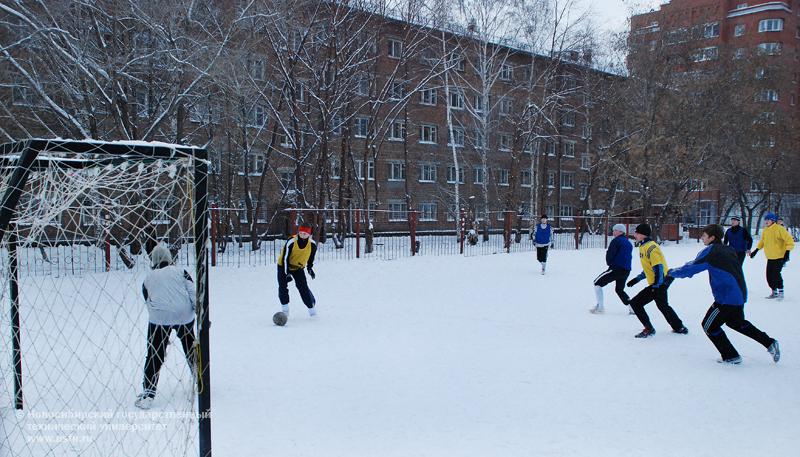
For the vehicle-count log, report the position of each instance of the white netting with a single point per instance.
(84, 226)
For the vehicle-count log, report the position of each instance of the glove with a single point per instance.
(786, 257)
(289, 279)
(311, 273)
(753, 254)
(633, 282)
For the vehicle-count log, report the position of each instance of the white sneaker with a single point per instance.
(285, 309)
(597, 310)
(143, 401)
(312, 311)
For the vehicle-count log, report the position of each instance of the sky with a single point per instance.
(612, 15)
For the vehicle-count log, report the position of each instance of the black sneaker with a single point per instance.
(646, 333)
(682, 330)
(732, 361)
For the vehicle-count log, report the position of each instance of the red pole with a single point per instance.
(507, 231)
(358, 233)
(461, 232)
(292, 222)
(214, 218)
(605, 234)
(413, 215)
(577, 233)
(108, 251)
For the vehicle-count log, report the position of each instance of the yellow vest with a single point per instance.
(775, 241)
(298, 257)
(650, 255)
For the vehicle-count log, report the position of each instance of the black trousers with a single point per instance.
(774, 277)
(157, 340)
(300, 282)
(733, 317)
(659, 295)
(741, 256)
(541, 253)
(615, 274)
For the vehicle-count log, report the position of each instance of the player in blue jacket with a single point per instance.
(543, 239)
(730, 293)
(739, 239)
(618, 259)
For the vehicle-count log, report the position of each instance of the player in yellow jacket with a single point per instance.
(655, 269)
(776, 243)
(297, 254)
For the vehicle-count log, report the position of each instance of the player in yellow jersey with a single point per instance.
(654, 267)
(297, 254)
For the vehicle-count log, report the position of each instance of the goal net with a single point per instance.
(78, 221)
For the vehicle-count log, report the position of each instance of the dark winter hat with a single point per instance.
(544, 216)
(644, 229)
(771, 217)
(714, 230)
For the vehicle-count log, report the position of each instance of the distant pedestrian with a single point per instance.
(654, 267)
(543, 240)
(730, 294)
(739, 239)
(776, 242)
(618, 259)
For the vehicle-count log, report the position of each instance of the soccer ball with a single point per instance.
(279, 318)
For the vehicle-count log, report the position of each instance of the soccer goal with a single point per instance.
(77, 222)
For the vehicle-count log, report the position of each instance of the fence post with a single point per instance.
(605, 233)
(358, 233)
(577, 233)
(413, 216)
(107, 250)
(292, 222)
(214, 221)
(463, 222)
(507, 231)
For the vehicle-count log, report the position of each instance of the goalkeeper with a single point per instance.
(169, 293)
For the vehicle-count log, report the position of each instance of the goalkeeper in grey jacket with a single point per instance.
(169, 293)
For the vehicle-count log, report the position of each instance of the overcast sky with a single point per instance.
(612, 15)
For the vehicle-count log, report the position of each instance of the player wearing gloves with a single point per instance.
(730, 294)
(297, 254)
(618, 260)
(654, 268)
(169, 293)
(776, 243)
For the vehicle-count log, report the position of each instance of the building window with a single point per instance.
(567, 180)
(427, 172)
(255, 163)
(548, 147)
(506, 105)
(505, 141)
(427, 211)
(397, 171)
(397, 131)
(502, 177)
(568, 119)
(458, 62)
(767, 95)
(738, 30)
(586, 161)
(479, 140)
(551, 180)
(397, 90)
(22, 95)
(336, 169)
(370, 170)
(395, 49)
(257, 117)
(361, 127)
(566, 211)
(711, 30)
(480, 104)
(456, 99)
(458, 137)
(451, 175)
(427, 97)
(256, 68)
(770, 49)
(287, 179)
(398, 211)
(569, 148)
(770, 25)
(739, 53)
(584, 191)
(528, 146)
(478, 175)
(428, 134)
(362, 86)
(704, 54)
(525, 178)
(587, 131)
(506, 72)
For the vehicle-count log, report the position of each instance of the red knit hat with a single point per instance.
(304, 229)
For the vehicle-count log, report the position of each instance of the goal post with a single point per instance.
(73, 319)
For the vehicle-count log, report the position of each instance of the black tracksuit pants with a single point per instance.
(300, 282)
(733, 317)
(541, 253)
(774, 277)
(659, 295)
(620, 276)
(741, 255)
(157, 340)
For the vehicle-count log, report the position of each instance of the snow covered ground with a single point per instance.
(482, 356)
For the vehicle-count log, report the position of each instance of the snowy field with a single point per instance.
(426, 356)
(483, 356)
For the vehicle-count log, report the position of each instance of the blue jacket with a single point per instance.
(620, 253)
(543, 235)
(724, 273)
(738, 238)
